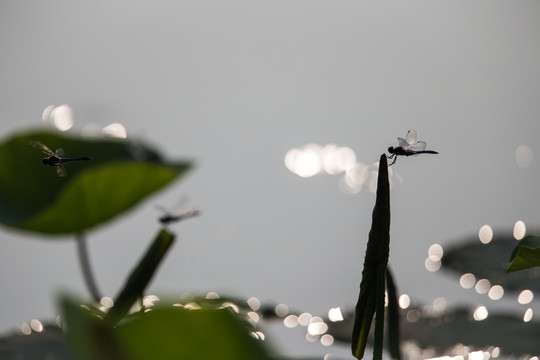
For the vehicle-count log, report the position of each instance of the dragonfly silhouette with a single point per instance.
(408, 146)
(170, 217)
(56, 158)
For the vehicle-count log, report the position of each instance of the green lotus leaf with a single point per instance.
(119, 175)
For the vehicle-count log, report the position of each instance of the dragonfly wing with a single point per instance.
(42, 147)
(417, 146)
(59, 152)
(61, 170)
(411, 137)
(402, 142)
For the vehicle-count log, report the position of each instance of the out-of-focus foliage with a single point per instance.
(119, 175)
(526, 254)
(371, 300)
(163, 332)
(488, 261)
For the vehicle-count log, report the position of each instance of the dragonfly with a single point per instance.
(55, 159)
(170, 217)
(408, 146)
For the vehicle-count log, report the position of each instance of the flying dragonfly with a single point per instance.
(408, 146)
(56, 158)
(170, 217)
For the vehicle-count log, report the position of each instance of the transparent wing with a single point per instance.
(402, 142)
(417, 146)
(411, 137)
(59, 152)
(42, 147)
(61, 170)
(162, 209)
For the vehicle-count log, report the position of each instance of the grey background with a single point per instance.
(234, 85)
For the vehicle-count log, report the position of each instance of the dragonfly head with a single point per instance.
(45, 161)
(391, 150)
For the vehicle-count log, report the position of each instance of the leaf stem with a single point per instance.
(84, 260)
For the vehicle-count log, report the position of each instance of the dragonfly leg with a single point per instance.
(393, 162)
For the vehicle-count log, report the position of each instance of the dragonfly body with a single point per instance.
(408, 147)
(170, 218)
(55, 159)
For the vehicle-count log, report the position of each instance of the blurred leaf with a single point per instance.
(162, 333)
(177, 333)
(140, 276)
(393, 332)
(489, 261)
(447, 332)
(372, 287)
(526, 254)
(118, 176)
(88, 336)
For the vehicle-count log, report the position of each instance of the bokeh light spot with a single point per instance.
(334, 314)
(496, 292)
(254, 303)
(467, 281)
(485, 234)
(480, 313)
(524, 156)
(482, 286)
(525, 297)
(519, 230)
(404, 301)
(528, 315)
(116, 130)
(435, 252)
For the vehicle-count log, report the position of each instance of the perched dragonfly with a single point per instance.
(56, 158)
(169, 217)
(409, 146)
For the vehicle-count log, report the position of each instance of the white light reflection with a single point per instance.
(435, 252)
(334, 314)
(107, 302)
(496, 292)
(525, 297)
(212, 295)
(467, 281)
(485, 234)
(519, 230)
(281, 310)
(480, 313)
(61, 117)
(150, 300)
(528, 315)
(404, 301)
(431, 265)
(482, 286)
(304, 162)
(317, 328)
(477, 355)
(313, 159)
(311, 338)
(254, 317)
(291, 321)
(230, 305)
(25, 329)
(327, 340)
(439, 304)
(36, 325)
(304, 319)
(116, 130)
(336, 160)
(524, 156)
(413, 315)
(254, 303)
